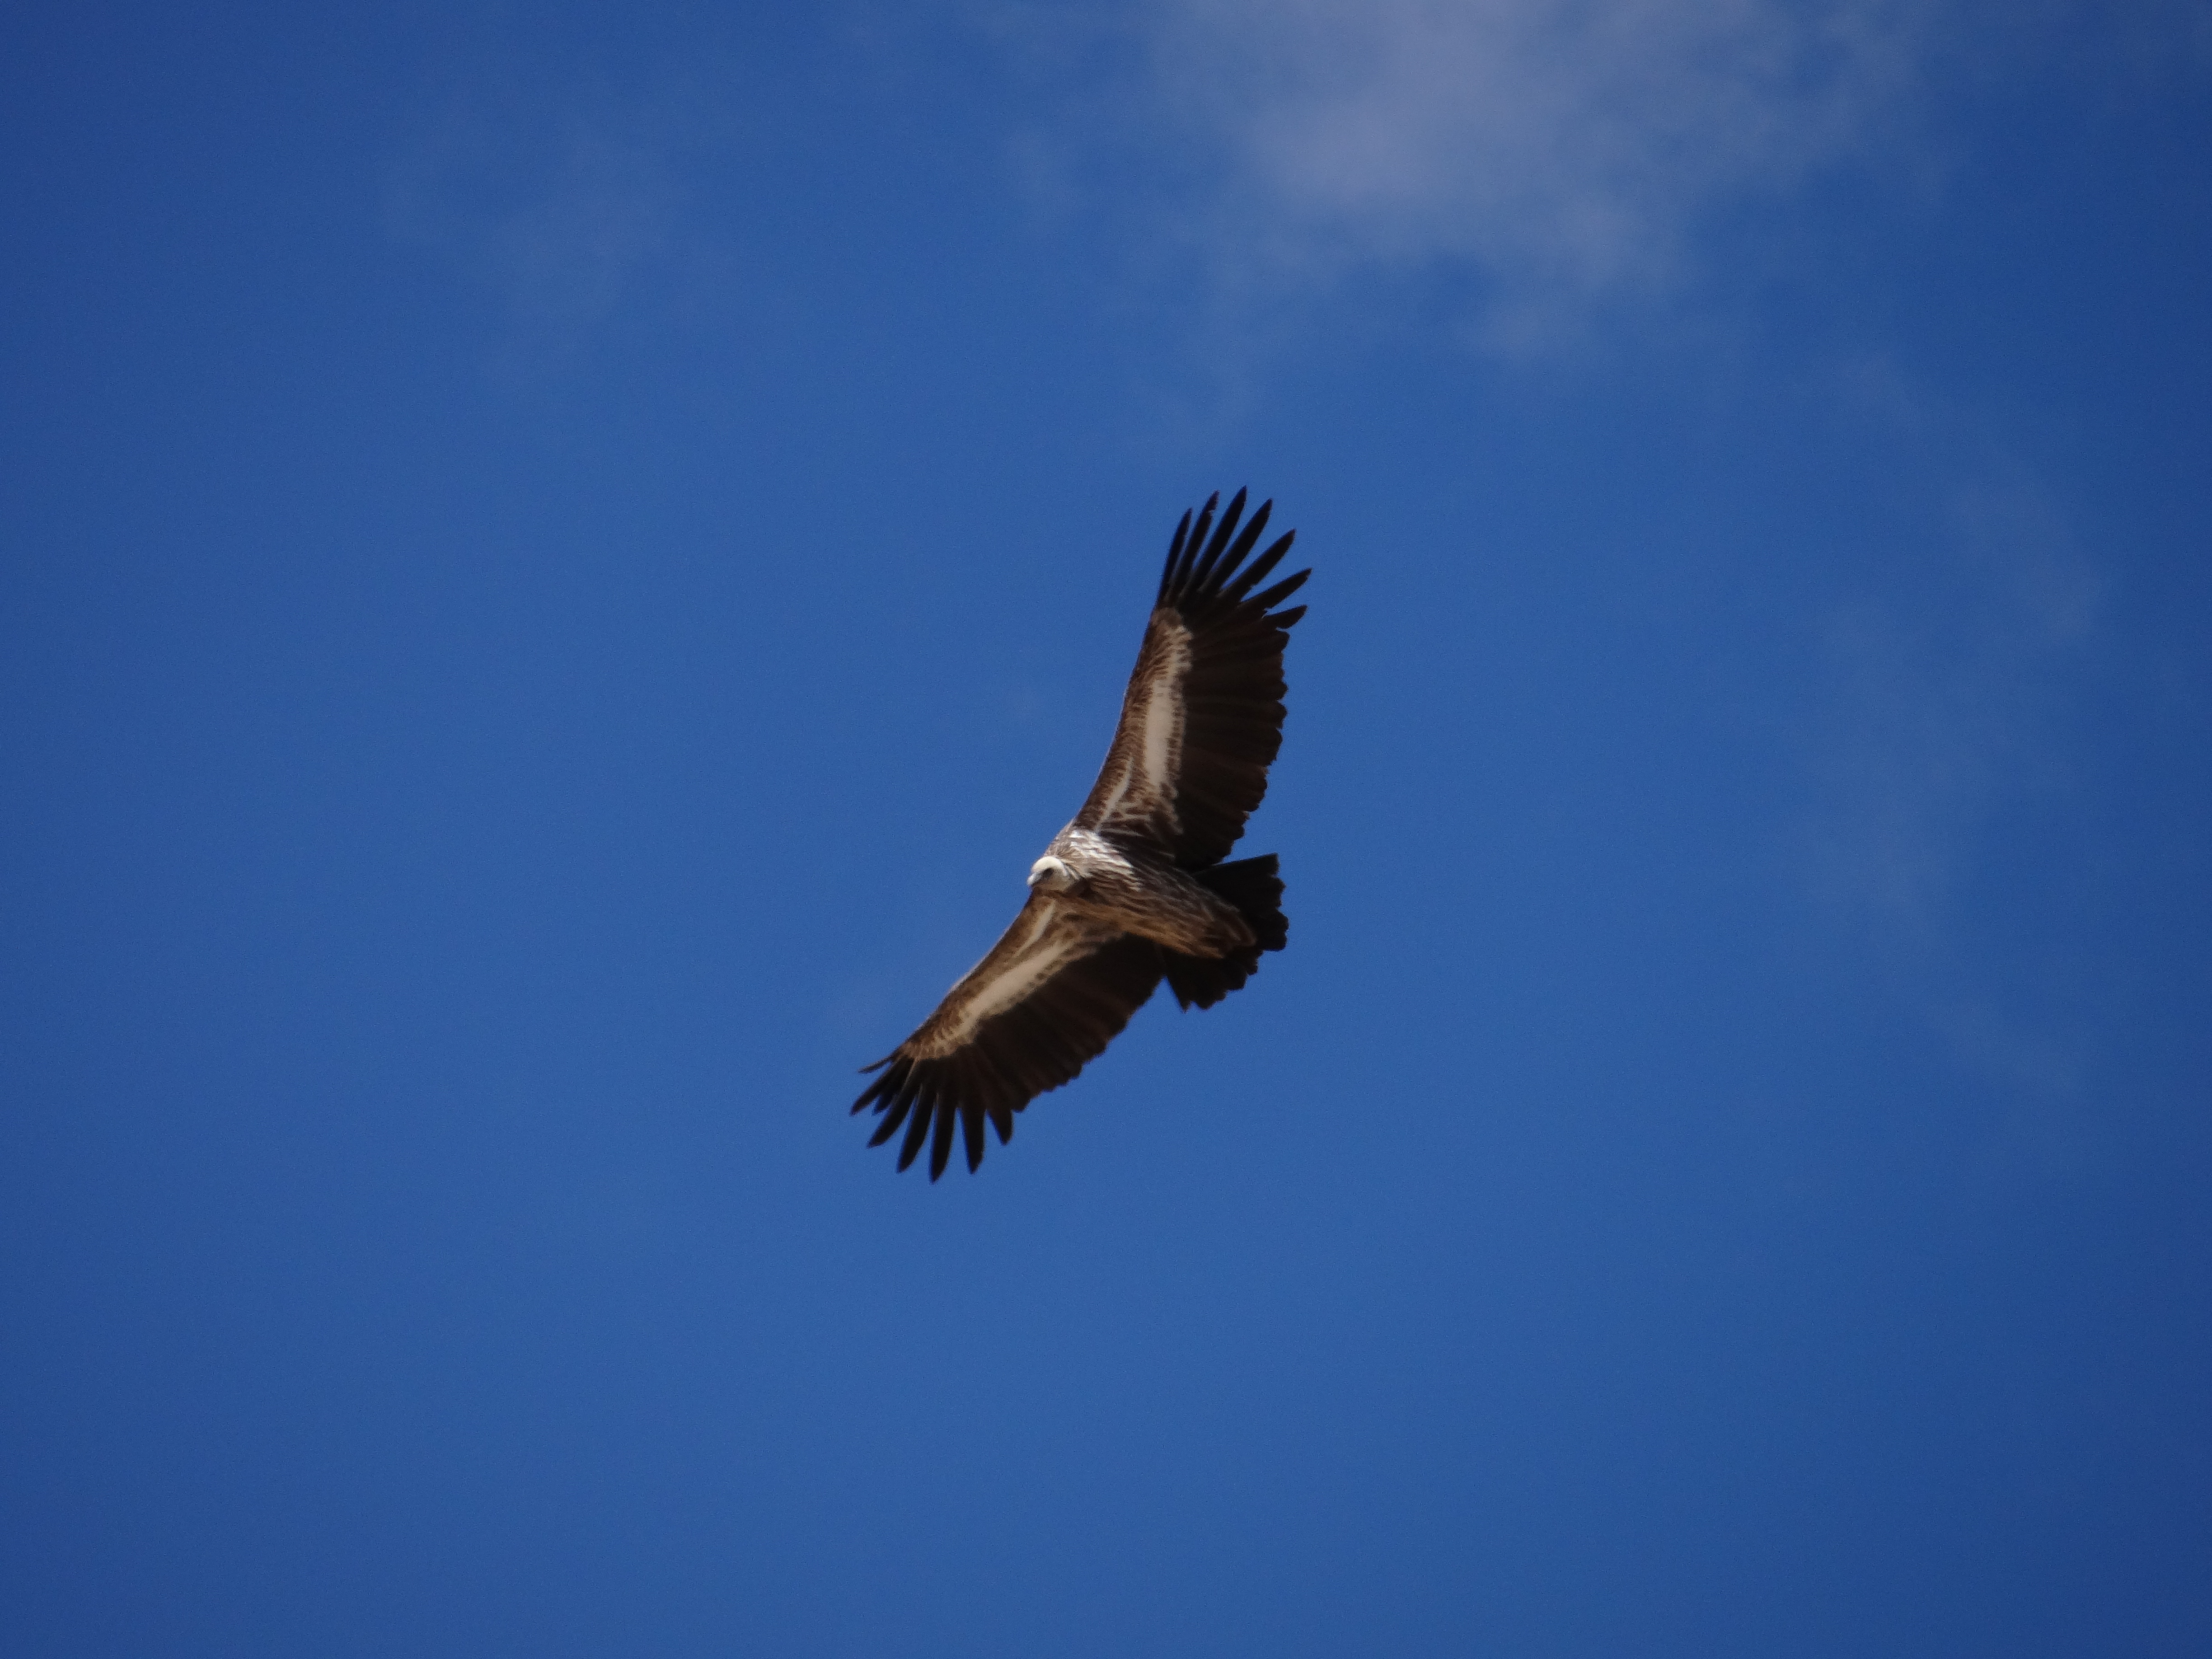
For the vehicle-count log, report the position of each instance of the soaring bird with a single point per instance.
(1134, 890)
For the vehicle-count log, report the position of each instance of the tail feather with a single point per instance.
(1252, 886)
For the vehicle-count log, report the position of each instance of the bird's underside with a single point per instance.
(1134, 890)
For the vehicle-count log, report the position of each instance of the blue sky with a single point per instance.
(561, 562)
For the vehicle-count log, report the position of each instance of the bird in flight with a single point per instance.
(1134, 890)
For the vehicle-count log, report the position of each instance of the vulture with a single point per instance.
(1134, 890)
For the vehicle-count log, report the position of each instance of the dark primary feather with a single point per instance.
(1009, 1060)
(1233, 692)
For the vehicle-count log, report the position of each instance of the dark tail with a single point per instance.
(1252, 886)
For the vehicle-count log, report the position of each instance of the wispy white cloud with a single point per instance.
(1566, 152)
(1567, 156)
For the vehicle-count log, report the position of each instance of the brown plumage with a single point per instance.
(1133, 889)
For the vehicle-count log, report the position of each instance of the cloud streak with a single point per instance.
(1942, 741)
(1565, 150)
(1943, 716)
(563, 217)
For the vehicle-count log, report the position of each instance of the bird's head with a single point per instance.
(1051, 875)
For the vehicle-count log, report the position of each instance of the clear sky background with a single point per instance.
(560, 563)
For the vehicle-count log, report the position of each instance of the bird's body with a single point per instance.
(1134, 890)
(1135, 893)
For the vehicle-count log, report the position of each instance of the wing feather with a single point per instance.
(1046, 1000)
(1202, 719)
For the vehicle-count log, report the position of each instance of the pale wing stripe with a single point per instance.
(1036, 959)
(1044, 915)
(1159, 719)
(1121, 777)
(1011, 986)
(1162, 745)
(1014, 947)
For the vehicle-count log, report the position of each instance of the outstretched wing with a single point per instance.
(1052, 993)
(1203, 716)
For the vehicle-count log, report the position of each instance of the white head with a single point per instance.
(1049, 873)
